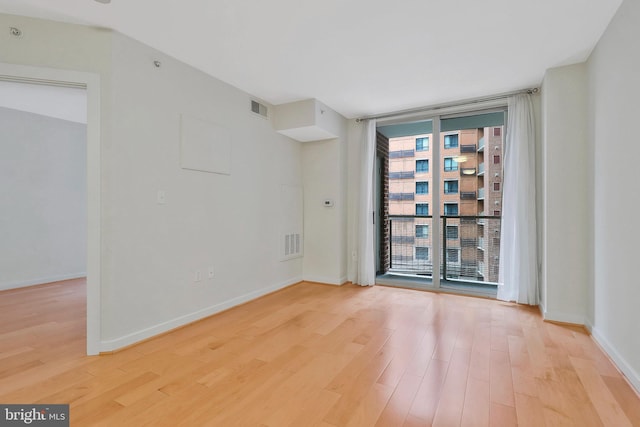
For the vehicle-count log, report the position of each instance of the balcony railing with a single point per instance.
(481, 169)
(401, 154)
(411, 247)
(471, 148)
(480, 193)
(402, 175)
(481, 144)
(467, 195)
(401, 196)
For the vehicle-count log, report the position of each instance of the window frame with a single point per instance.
(422, 205)
(422, 226)
(457, 228)
(422, 161)
(450, 168)
(445, 186)
(423, 139)
(426, 183)
(415, 253)
(444, 209)
(448, 138)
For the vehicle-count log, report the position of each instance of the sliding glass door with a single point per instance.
(444, 193)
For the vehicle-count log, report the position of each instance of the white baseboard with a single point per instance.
(632, 376)
(127, 340)
(40, 281)
(326, 280)
(564, 318)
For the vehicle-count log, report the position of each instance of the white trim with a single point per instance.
(40, 281)
(91, 82)
(564, 318)
(326, 280)
(135, 337)
(632, 376)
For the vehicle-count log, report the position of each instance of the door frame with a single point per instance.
(90, 82)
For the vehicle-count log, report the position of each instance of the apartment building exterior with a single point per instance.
(470, 203)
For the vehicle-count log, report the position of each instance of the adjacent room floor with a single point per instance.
(315, 355)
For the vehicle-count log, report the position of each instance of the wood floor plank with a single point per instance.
(317, 355)
(477, 403)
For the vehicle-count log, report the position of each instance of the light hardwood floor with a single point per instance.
(314, 355)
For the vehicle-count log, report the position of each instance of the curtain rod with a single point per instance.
(434, 108)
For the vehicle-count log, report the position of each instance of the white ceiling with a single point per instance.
(360, 57)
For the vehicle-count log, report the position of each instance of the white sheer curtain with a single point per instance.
(365, 272)
(518, 253)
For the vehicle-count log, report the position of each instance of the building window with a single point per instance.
(422, 166)
(422, 144)
(496, 213)
(422, 253)
(450, 164)
(450, 141)
(422, 209)
(496, 186)
(451, 187)
(450, 209)
(422, 187)
(452, 231)
(422, 231)
(496, 159)
(453, 255)
(497, 131)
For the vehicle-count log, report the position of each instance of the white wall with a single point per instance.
(150, 252)
(42, 199)
(564, 195)
(325, 177)
(614, 88)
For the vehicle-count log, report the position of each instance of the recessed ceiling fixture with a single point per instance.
(104, 1)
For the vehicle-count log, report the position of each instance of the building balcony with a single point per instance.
(465, 172)
(402, 175)
(481, 221)
(396, 197)
(471, 148)
(467, 195)
(399, 154)
(481, 145)
(481, 193)
(481, 169)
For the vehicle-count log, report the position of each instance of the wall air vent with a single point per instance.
(259, 108)
(291, 246)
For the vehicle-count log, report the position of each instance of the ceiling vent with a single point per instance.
(259, 108)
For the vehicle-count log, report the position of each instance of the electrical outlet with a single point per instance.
(198, 276)
(211, 272)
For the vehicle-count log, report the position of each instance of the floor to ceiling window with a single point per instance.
(444, 195)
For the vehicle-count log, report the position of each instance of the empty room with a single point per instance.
(319, 214)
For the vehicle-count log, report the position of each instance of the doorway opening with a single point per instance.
(74, 173)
